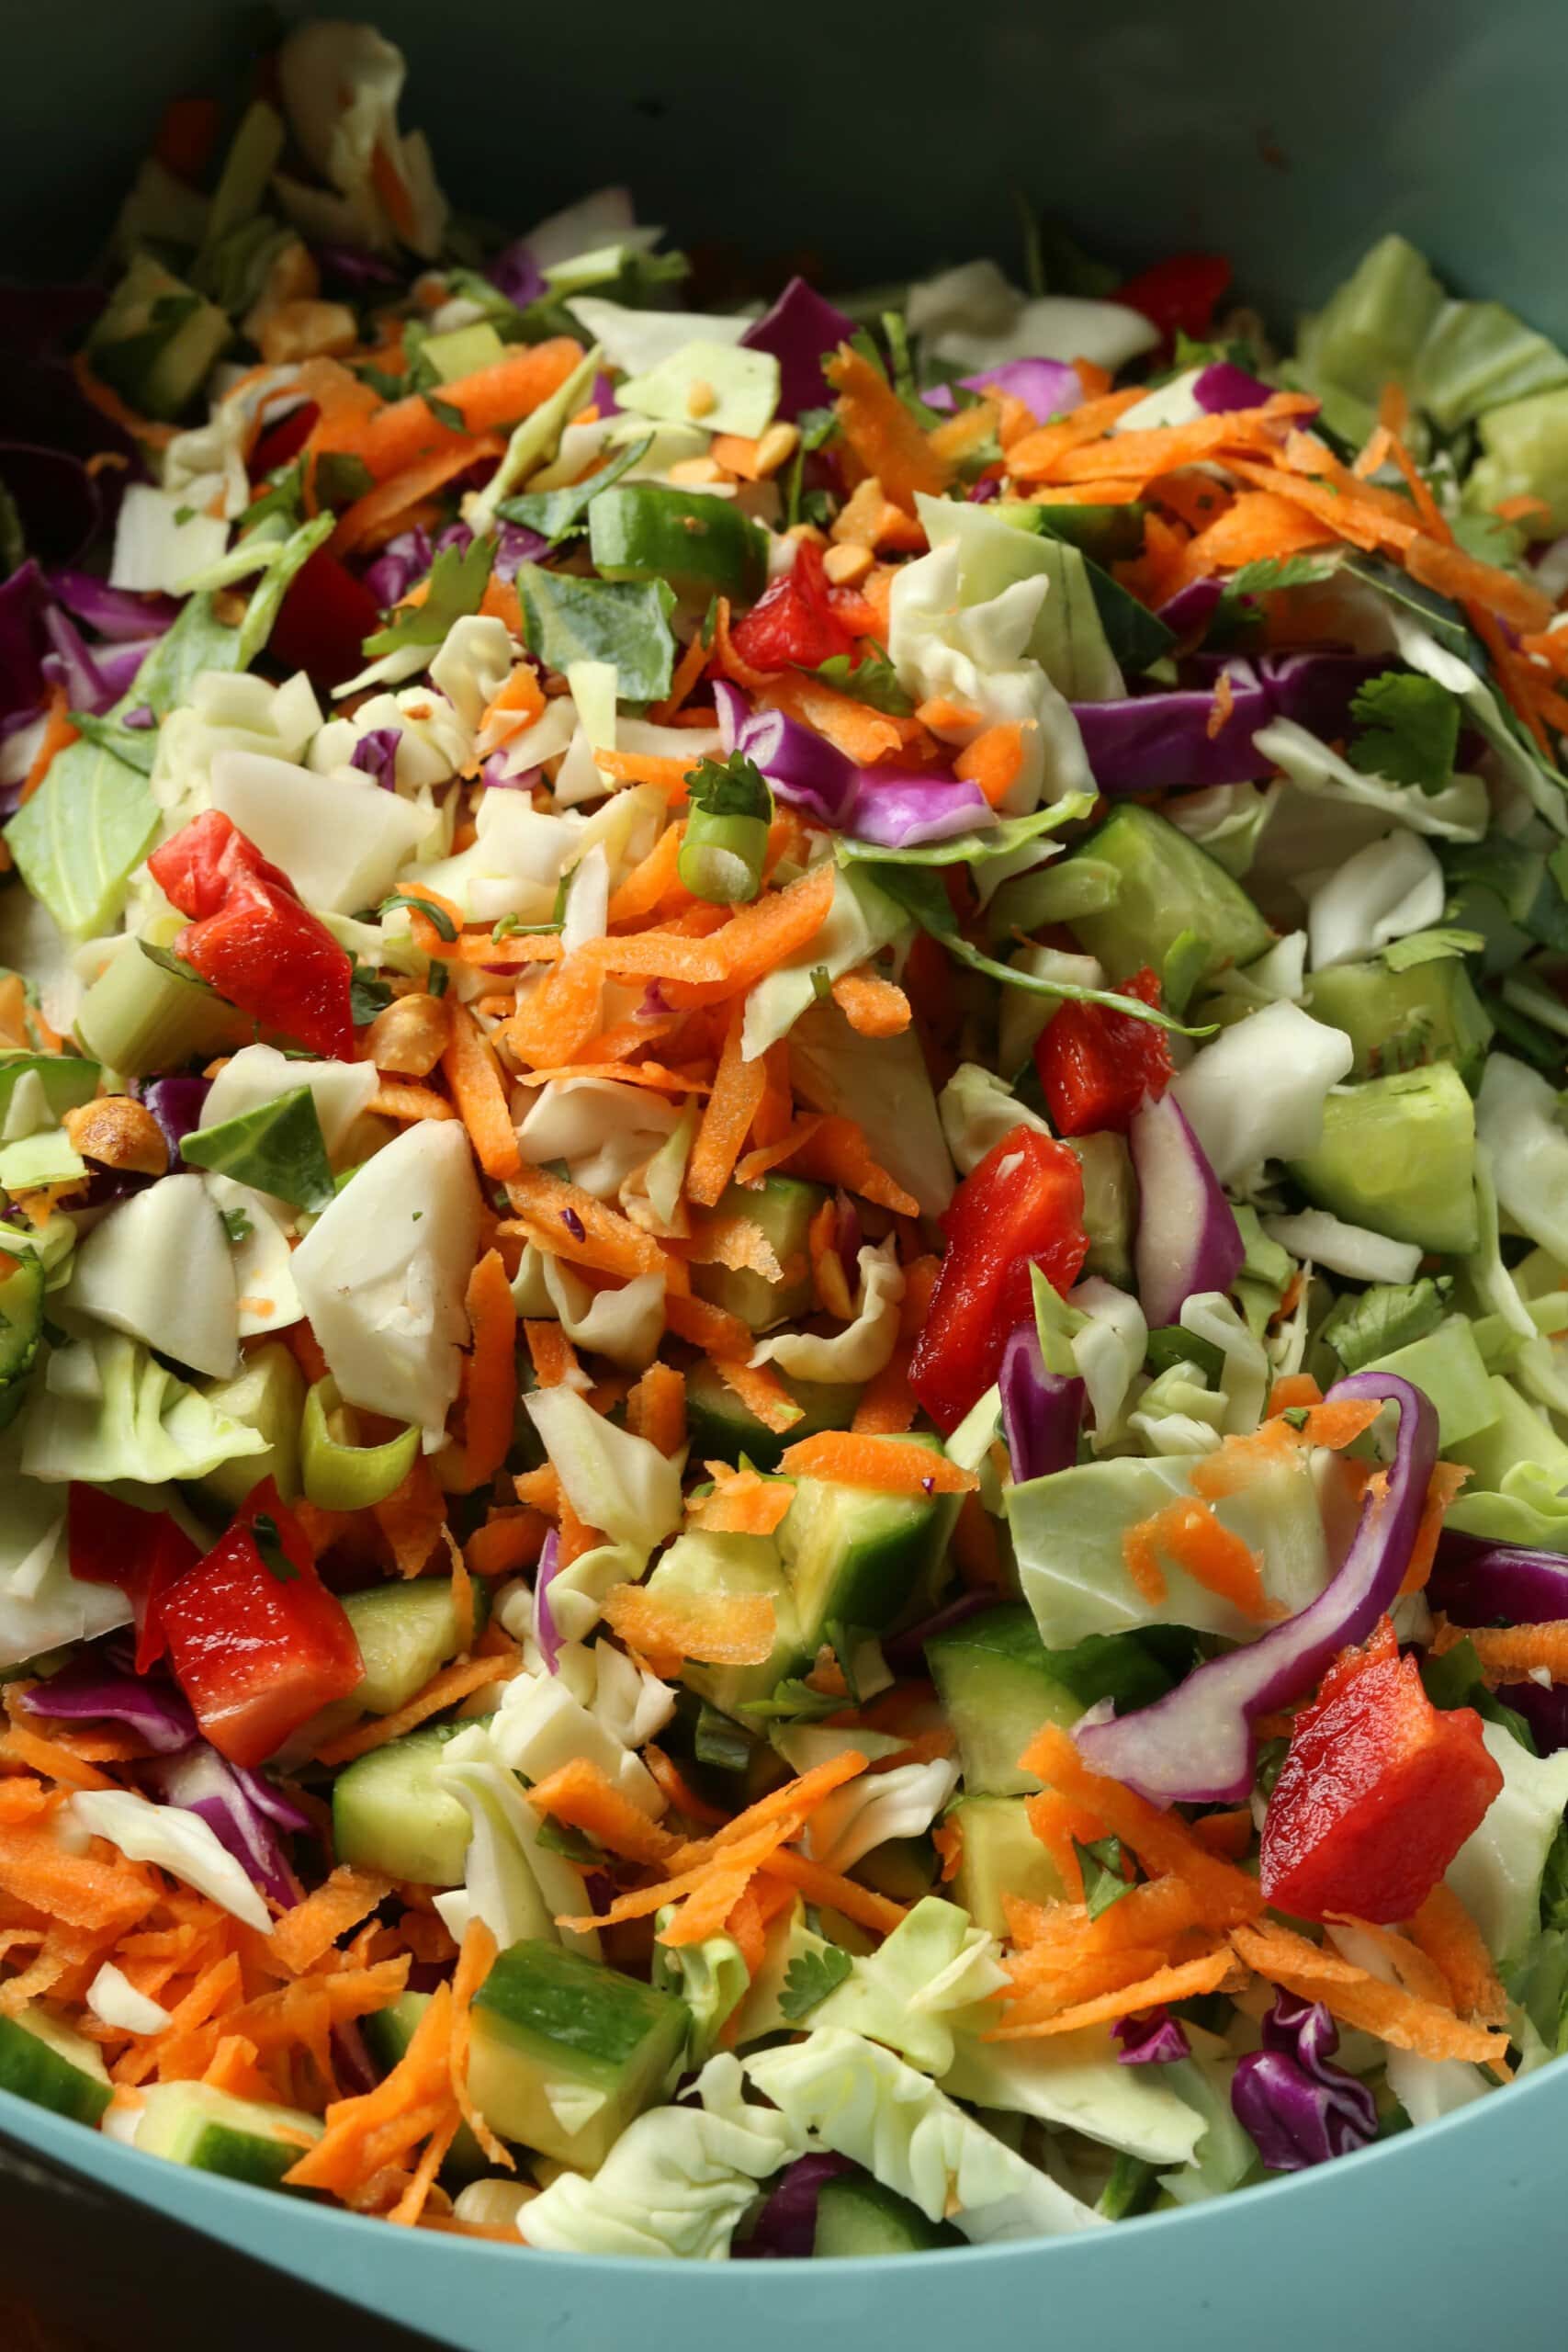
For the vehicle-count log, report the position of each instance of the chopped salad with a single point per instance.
(785, 1272)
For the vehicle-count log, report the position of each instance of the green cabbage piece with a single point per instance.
(108, 1409)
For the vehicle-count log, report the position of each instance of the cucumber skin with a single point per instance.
(860, 2217)
(34, 2071)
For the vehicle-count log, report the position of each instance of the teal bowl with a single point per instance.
(894, 138)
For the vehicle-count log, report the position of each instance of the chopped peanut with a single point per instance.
(698, 472)
(408, 1038)
(847, 566)
(306, 331)
(293, 278)
(701, 397)
(776, 448)
(119, 1133)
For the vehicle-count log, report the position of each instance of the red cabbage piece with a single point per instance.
(802, 768)
(176, 1104)
(199, 1781)
(1188, 1240)
(900, 811)
(405, 559)
(92, 1690)
(1041, 1412)
(799, 331)
(118, 613)
(375, 754)
(1197, 1746)
(1190, 610)
(1047, 388)
(24, 641)
(118, 664)
(1544, 1707)
(1165, 740)
(1154, 2038)
(1299, 2108)
(56, 499)
(348, 266)
(1223, 387)
(514, 273)
(69, 664)
(786, 2224)
(1477, 1583)
(603, 396)
(544, 1632)
(515, 544)
(351, 2060)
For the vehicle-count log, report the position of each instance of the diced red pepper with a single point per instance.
(1095, 1066)
(1179, 294)
(142, 1552)
(284, 440)
(1021, 1206)
(1378, 1793)
(324, 621)
(793, 624)
(250, 937)
(257, 1642)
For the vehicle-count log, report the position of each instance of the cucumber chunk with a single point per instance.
(998, 1855)
(861, 2217)
(644, 530)
(267, 1393)
(856, 1557)
(783, 1206)
(389, 1815)
(43, 2061)
(730, 1567)
(1399, 1021)
(156, 340)
(405, 1632)
(1165, 885)
(211, 2130)
(1398, 1155)
(999, 1684)
(566, 2051)
(723, 1430)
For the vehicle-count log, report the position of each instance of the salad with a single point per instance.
(784, 1273)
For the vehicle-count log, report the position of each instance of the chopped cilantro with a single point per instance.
(1408, 730)
(810, 1977)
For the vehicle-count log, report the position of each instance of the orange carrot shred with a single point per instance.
(442, 1691)
(885, 1464)
(471, 1072)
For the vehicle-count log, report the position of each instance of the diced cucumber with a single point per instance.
(211, 2130)
(388, 2033)
(1110, 1199)
(139, 1017)
(566, 2051)
(156, 340)
(723, 1430)
(1398, 1154)
(43, 2061)
(860, 2217)
(646, 530)
(731, 1566)
(784, 1208)
(463, 352)
(21, 1325)
(993, 1676)
(268, 1395)
(1399, 1021)
(1446, 1366)
(1166, 885)
(998, 1855)
(856, 1557)
(389, 1815)
(904, 1869)
(404, 1631)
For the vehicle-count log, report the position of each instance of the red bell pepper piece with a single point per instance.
(324, 621)
(1095, 1066)
(1181, 294)
(257, 1642)
(284, 440)
(793, 624)
(142, 1552)
(251, 939)
(1378, 1793)
(1021, 1206)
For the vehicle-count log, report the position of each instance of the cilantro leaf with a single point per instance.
(559, 1837)
(731, 787)
(284, 496)
(1455, 1680)
(810, 1977)
(445, 413)
(341, 478)
(1409, 730)
(1386, 1317)
(817, 426)
(458, 579)
(237, 1224)
(1429, 947)
(793, 1700)
(269, 1543)
(368, 994)
(1105, 1881)
(558, 515)
(872, 679)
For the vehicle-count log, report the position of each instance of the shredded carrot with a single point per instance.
(834, 1892)
(1359, 1999)
(882, 433)
(579, 1793)
(411, 1518)
(736, 1092)
(491, 1382)
(1228, 1834)
(688, 670)
(1445, 1931)
(1162, 1841)
(993, 761)
(834, 1151)
(872, 1006)
(663, 1627)
(410, 2103)
(304, 1934)
(554, 1357)
(650, 882)
(1513, 1651)
(371, 518)
(677, 1790)
(471, 1071)
(410, 1102)
(1212, 1554)
(476, 1957)
(792, 1804)
(51, 1757)
(1184, 1982)
(742, 1503)
(656, 1408)
(442, 1691)
(1444, 1484)
(862, 734)
(738, 953)
(884, 1463)
(76, 1889)
(388, 438)
(609, 1240)
(508, 1541)
(58, 735)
